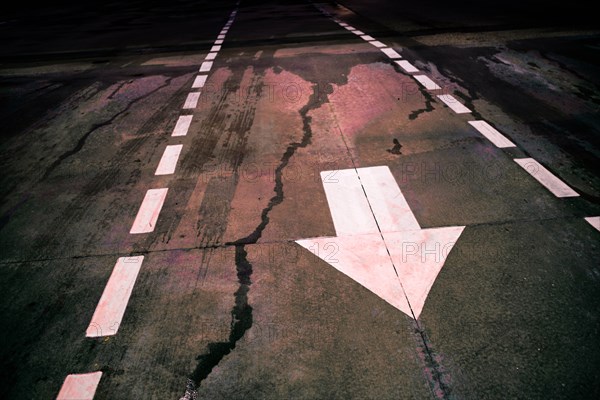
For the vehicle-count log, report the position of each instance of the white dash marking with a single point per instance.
(168, 161)
(215, 48)
(350, 28)
(219, 41)
(145, 221)
(206, 66)
(391, 53)
(406, 66)
(80, 386)
(211, 56)
(111, 307)
(594, 221)
(454, 104)
(492, 134)
(427, 82)
(182, 125)
(357, 32)
(349, 208)
(221, 37)
(546, 178)
(191, 100)
(343, 24)
(367, 38)
(199, 81)
(378, 44)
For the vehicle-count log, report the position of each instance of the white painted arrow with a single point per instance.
(378, 241)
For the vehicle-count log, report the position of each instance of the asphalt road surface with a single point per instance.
(259, 200)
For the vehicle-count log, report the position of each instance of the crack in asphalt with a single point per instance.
(428, 106)
(95, 127)
(435, 372)
(230, 245)
(241, 313)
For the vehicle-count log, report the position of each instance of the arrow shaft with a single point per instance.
(363, 198)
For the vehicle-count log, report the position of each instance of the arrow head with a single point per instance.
(404, 280)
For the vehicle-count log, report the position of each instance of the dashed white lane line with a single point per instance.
(182, 126)
(427, 82)
(594, 221)
(221, 37)
(211, 56)
(492, 134)
(391, 53)
(343, 24)
(215, 48)
(145, 221)
(206, 66)
(346, 198)
(377, 44)
(168, 161)
(546, 178)
(199, 81)
(111, 307)
(350, 28)
(219, 41)
(191, 100)
(454, 104)
(367, 38)
(406, 66)
(80, 386)
(357, 32)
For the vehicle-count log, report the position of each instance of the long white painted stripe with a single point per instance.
(349, 208)
(215, 48)
(367, 38)
(391, 53)
(182, 125)
(546, 178)
(492, 134)
(211, 56)
(378, 44)
(199, 81)
(454, 104)
(168, 161)
(111, 307)
(359, 33)
(206, 66)
(145, 221)
(594, 221)
(406, 66)
(191, 100)
(389, 206)
(427, 82)
(219, 41)
(80, 386)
